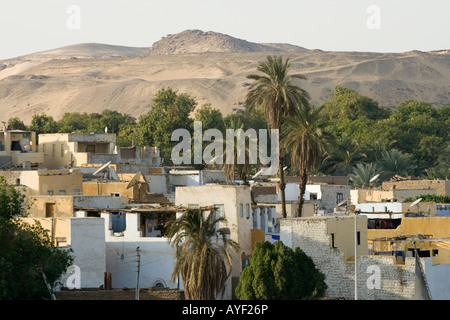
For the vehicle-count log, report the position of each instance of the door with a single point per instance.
(50, 210)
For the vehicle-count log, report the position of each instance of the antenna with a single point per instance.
(134, 180)
(103, 167)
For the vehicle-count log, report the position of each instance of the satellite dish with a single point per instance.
(103, 167)
(341, 203)
(213, 159)
(134, 180)
(257, 174)
(415, 202)
(374, 178)
(106, 129)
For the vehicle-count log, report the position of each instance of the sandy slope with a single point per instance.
(128, 83)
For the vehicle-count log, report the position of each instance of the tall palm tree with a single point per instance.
(305, 136)
(274, 92)
(203, 254)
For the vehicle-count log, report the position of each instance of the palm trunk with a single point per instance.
(302, 188)
(282, 187)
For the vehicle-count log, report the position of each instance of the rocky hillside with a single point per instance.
(197, 41)
(93, 77)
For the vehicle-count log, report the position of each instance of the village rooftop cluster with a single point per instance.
(109, 204)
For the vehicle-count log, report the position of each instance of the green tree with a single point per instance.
(16, 124)
(304, 135)
(203, 255)
(170, 111)
(26, 251)
(73, 122)
(42, 123)
(274, 92)
(211, 118)
(393, 162)
(276, 272)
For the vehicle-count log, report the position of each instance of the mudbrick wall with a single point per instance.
(378, 277)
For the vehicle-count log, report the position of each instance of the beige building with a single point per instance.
(234, 202)
(65, 150)
(18, 149)
(442, 187)
(379, 195)
(46, 182)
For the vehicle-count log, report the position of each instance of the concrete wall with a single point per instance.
(63, 206)
(438, 279)
(69, 181)
(157, 257)
(88, 245)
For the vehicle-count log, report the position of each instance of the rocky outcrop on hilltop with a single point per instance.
(197, 41)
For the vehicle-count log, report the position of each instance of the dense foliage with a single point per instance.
(276, 272)
(26, 251)
(411, 139)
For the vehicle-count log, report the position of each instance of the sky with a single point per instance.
(28, 26)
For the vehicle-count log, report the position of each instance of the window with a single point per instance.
(77, 192)
(332, 241)
(247, 210)
(339, 198)
(50, 192)
(114, 194)
(313, 196)
(358, 237)
(62, 192)
(241, 207)
(193, 206)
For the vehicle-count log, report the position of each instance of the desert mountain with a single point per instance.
(197, 41)
(93, 77)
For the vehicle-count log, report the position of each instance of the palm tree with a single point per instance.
(203, 254)
(394, 162)
(305, 136)
(278, 97)
(362, 174)
(344, 156)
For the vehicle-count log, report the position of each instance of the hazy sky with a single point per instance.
(28, 26)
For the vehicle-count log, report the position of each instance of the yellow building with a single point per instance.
(429, 235)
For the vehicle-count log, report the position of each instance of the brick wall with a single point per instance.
(310, 234)
(442, 187)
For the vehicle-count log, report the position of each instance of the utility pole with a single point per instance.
(356, 256)
(138, 267)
